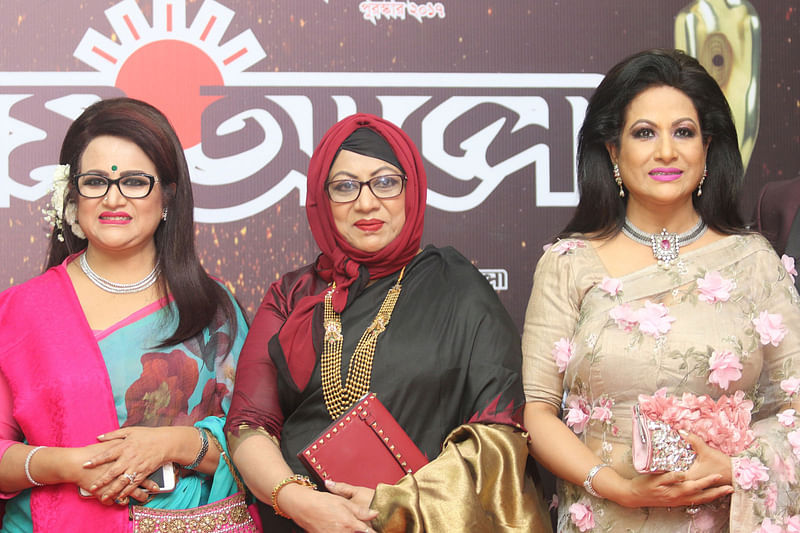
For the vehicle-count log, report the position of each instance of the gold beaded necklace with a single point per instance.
(337, 397)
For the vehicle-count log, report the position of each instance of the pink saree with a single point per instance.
(61, 391)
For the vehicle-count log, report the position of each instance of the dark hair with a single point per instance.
(601, 211)
(197, 297)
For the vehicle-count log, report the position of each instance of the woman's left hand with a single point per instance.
(361, 496)
(708, 461)
(138, 452)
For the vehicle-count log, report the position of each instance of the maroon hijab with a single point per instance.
(339, 262)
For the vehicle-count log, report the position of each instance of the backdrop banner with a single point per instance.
(493, 93)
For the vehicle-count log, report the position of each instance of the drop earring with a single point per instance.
(702, 180)
(164, 214)
(618, 179)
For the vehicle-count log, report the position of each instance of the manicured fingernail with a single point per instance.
(683, 432)
(93, 488)
(87, 463)
(101, 436)
(330, 483)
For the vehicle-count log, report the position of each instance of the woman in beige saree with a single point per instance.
(698, 324)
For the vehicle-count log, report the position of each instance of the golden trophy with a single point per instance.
(725, 37)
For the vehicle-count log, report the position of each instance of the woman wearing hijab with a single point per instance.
(445, 360)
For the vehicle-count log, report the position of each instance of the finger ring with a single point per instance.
(131, 477)
(121, 501)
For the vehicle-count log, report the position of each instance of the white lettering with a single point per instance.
(15, 134)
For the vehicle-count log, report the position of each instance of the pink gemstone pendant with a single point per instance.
(665, 246)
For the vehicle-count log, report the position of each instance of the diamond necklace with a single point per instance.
(665, 245)
(118, 288)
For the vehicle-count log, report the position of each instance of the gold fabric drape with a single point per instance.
(476, 485)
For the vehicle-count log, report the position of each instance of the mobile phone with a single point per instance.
(164, 476)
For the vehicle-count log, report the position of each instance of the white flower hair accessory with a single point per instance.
(56, 208)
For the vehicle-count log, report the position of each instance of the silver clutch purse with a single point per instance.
(657, 447)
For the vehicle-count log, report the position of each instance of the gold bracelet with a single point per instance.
(296, 478)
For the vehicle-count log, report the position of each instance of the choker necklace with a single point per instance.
(337, 397)
(665, 245)
(118, 288)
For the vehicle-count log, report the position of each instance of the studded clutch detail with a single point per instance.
(657, 447)
(365, 446)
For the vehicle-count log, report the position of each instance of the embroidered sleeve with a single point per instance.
(550, 322)
(765, 474)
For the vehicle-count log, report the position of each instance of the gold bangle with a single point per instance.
(296, 478)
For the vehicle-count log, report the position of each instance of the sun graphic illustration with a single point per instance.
(167, 63)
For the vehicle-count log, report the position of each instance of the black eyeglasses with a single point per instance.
(133, 186)
(348, 190)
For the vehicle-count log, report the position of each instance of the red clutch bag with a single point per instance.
(365, 446)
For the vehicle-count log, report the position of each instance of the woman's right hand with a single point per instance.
(709, 478)
(671, 489)
(322, 512)
(84, 477)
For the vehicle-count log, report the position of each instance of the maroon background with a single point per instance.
(507, 230)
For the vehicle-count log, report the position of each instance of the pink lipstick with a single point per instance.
(665, 174)
(115, 218)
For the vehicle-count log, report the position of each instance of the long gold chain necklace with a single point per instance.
(337, 397)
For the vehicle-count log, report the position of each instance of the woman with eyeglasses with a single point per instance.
(422, 329)
(120, 358)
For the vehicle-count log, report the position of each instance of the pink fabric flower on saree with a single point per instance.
(793, 524)
(602, 409)
(748, 472)
(654, 319)
(794, 439)
(577, 413)
(771, 498)
(786, 417)
(788, 264)
(624, 316)
(563, 350)
(703, 520)
(770, 328)
(714, 288)
(582, 516)
(612, 286)
(768, 527)
(785, 469)
(725, 367)
(790, 386)
(567, 245)
(724, 424)
(553, 503)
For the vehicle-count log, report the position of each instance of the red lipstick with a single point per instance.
(369, 224)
